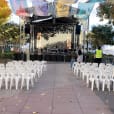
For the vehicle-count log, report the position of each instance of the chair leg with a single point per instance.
(16, 83)
(27, 82)
(22, 83)
(113, 85)
(32, 82)
(103, 85)
(92, 84)
(6, 83)
(87, 81)
(97, 84)
(11, 83)
(1, 81)
(108, 85)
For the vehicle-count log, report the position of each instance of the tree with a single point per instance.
(112, 1)
(106, 11)
(102, 34)
(4, 11)
(9, 33)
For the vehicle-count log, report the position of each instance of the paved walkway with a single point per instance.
(58, 92)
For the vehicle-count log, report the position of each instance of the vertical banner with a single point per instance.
(18, 7)
(40, 7)
(39, 40)
(63, 7)
(68, 44)
(39, 35)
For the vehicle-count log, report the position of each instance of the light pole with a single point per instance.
(85, 29)
(20, 34)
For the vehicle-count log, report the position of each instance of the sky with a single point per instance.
(94, 20)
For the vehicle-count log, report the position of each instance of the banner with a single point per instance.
(73, 11)
(84, 10)
(18, 7)
(63, 7)
(40, 7)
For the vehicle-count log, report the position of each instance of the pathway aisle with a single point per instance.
(58, 92)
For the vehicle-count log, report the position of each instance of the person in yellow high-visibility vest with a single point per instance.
(98, 55)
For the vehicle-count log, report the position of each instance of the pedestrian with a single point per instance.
(72, 58)
(98, 55)
(79, 56)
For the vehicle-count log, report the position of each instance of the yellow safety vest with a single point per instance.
(98, 54)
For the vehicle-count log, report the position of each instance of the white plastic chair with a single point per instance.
(27, 78)
(14, 79)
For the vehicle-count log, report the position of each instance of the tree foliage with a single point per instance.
(106, 11)
(4, 11)
(9, 33)
(112, 1)
(102, 34)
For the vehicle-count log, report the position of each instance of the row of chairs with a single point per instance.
(99, 77)
(20, 73)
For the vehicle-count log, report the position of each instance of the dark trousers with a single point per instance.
(98, 60)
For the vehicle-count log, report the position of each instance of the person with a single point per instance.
(80, 56)
(72, 58)
(98, 55)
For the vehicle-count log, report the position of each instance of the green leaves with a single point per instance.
(101, 34)
(9, 32)
(106, 11)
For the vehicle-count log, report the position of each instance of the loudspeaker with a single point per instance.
(78, 29)
(27, 28)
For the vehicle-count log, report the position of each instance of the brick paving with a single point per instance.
(57, 92)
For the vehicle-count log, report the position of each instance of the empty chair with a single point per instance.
(27, 78)
(14, 80)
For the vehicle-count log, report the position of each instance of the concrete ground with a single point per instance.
(107, 98)
(57, 92)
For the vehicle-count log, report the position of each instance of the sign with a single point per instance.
(40, 7)
(63, 7)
